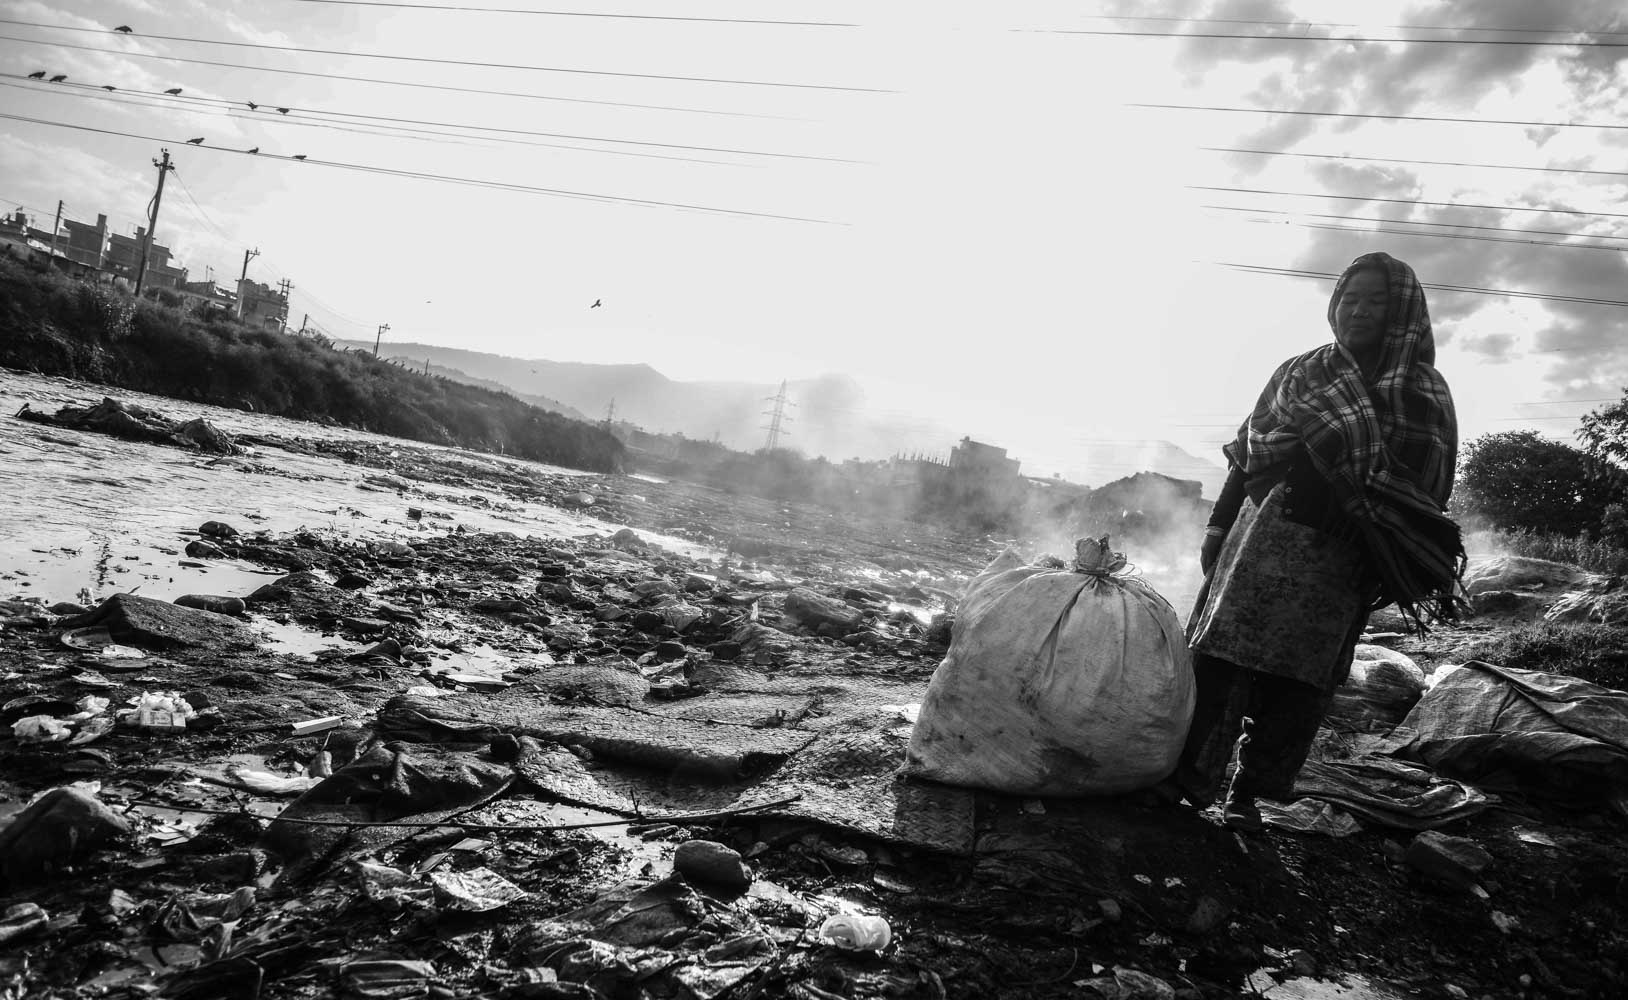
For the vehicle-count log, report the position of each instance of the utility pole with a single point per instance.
(610, 413)
(304, 320)
(241, 278)
(382, 327)
(164, 167)
(777, 417)
(54, 227)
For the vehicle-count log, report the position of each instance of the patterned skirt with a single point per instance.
(1283, 598)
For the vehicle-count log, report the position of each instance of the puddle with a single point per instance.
(295, 640)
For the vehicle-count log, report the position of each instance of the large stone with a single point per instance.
(1582, 606)
(144, 621)
(810, 609)
(212, 602)
(1455, 861)
(303, 590)
(712, 864)
(1527, 574)
(61, 827)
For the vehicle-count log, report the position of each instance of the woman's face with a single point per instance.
(1359, 315)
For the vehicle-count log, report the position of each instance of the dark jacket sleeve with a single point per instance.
(1230, 501)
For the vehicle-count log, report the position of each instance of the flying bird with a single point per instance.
(59, 78)
(282, 111)
(196, 142)
(39, 75)
(252, 106)
(299, 156)
(255, 149)
(109, 86)
(173, 90)
(123, 29)
(595, 305)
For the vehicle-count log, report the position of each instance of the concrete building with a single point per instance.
(87, 244)
(124, 257)
(262, 305)
(208, 293)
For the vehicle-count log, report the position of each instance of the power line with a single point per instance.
(1412, 222)
(446, 178)
(626, 74)
(1447, 236)
(92, 90)
(1468, 289)
(1427, 163)
(1350, 24)
(1409, 201)
(1345, 39)
(1353, 114)
(580, 13)
(396, 83)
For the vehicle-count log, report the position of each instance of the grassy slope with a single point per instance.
(58, 326)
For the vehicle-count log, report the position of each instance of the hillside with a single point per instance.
(832, 416)
(58, 326)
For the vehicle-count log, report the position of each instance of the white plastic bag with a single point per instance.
(1059, 681)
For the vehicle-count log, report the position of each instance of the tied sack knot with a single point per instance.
(1094, 557)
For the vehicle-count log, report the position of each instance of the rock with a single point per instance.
(363, 626)
(725, 650)
(1207, 915)
(237, 868)
(62, 826)
(1301, 961)
(670, 650)
(1509, 602)
(1600, 609)
(67, 608)
(711, 863)
(1455, 861)
(205, 436)
(304, 590)
(1111, 910)
(654, 588)
(1523, 573)
(353, 581)
(389, 649)
(200, 549)
(217, 529)
(807, 608)
(628, 538)
(211, 602)
(499, 605)
(648, 621)
(578, 499)
(143, 621)
(22, 920)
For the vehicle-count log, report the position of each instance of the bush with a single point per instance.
(1594, 653)
(1521, 480)
(1600, 555)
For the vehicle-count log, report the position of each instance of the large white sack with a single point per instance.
(1057, 682)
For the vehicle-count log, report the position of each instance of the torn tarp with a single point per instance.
(1389, 793)
(1546, 735)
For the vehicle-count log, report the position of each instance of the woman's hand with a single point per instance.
(1210, 552)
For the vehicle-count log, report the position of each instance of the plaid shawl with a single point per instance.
(1387, 446)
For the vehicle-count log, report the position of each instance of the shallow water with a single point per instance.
(106, 515)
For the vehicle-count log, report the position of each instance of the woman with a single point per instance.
(1333, 507)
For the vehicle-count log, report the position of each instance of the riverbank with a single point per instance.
(653, 649)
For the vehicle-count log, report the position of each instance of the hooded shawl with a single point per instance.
(1387, 446)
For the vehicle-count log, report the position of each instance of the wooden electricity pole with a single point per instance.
(164, 167)
(382, 327)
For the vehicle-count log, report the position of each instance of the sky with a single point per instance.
(960, 205)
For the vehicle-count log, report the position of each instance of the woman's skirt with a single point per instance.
(1283, 598)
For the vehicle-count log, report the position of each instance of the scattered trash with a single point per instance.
(857, 932)
(1129, 984)
(39, 729)
(162, 711)
(311, 726)
(61, 825)
(20, 920)
(476, 890)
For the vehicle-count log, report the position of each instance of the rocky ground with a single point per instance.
(156, 874)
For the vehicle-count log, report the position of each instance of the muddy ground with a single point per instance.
(1115, 897)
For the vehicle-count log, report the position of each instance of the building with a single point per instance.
(207, 293)
(124, 257)
(87, 244)
(19, 239)
(973, 461)
(262, 305)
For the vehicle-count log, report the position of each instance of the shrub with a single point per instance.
(1594, 653)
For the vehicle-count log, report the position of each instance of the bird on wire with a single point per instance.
(255, 150)
(282, 111)
(299, 156)
(109, 86)
(595, 305)
(123, 29)
(37, 75)
(196, 142)
(59, 78)
(173, 91)
(252, 106)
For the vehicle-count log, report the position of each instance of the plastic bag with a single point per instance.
(1059, 681)
(1383, 687)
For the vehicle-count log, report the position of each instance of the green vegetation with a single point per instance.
(1595, 653)
(1519, 480)
(60, 326)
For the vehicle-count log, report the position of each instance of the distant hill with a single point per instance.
(831, 417)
